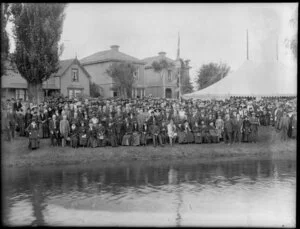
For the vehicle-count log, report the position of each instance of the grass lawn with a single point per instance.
(17, 154)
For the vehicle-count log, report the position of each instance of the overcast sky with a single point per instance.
(208, 32)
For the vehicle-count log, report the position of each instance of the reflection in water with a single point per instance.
(185, 194)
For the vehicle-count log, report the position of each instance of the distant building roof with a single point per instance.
(109, 55)
(150, 60)
(65, 64)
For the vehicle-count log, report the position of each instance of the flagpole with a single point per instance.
(247, 47)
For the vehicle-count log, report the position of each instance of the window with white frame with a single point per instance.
(75, 77)
(136, 74)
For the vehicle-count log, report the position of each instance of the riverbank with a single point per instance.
(16, 153)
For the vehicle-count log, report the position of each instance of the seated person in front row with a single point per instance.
(197, 133)
(135, 134)
(156, 135)
(126, 141)
(82, 130)
(145, 135)
(204, 132)
(188, 132)
(213, 133)
(181, 134)
(101, 141)
(112, 134)
(172, 132)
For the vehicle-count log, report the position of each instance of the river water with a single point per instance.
(223, 193)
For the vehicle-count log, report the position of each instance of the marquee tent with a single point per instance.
(264, 79)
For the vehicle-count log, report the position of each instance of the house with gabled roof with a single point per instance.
(71, 80)
(98, 63)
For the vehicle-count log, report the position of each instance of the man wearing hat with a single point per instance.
(54, 130)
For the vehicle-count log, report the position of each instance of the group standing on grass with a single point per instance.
(140, 122)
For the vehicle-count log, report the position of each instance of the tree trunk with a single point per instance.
(35, 93)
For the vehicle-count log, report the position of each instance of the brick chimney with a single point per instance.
(162, 54)
(115, 47)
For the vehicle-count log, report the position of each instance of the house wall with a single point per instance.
(154, 82)
(100, 77)
(67, 83)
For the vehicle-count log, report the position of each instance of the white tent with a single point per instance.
(262, 79)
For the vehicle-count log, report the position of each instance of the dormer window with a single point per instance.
(75, 77)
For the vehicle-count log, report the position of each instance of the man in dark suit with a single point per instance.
(228, 130)
(54, 130)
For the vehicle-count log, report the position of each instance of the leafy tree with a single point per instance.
(186, 86)
(211, 73)
(37, 30)
(94, 90)
(162, 66)
(122, 74)
(5, 14)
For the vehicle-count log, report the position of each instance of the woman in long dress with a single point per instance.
(135, 134)
(126, 141)
(82, 134)
(33, 133)
(74, 135)
(112, 135)
(172, 132)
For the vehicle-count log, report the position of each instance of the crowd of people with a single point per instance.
(140, 122)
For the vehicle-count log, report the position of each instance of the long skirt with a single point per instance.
(41, 131)
(113, 140)
(164, 138)
(45, 130)
(253, 135)
(33, 143)
(182, 138)
(92, 142)
(220, 133)
(74, 141)
(144, 138)
(197, 138)
(214, 139)
(101, 142)
(135, 139)
(82, 139)
(190, 137)
(22, 129)
(126, 140)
